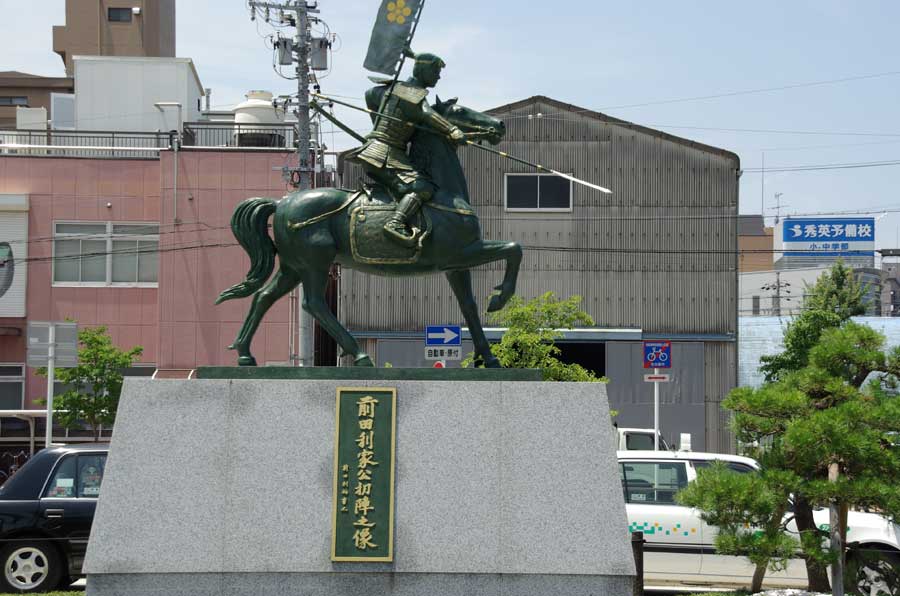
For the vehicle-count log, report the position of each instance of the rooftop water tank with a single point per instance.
(257, 122)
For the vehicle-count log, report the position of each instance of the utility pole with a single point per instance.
(762, 189)
(778, 206)
(777, 287)
(296, 12)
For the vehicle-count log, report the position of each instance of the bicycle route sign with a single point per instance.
(657, 354)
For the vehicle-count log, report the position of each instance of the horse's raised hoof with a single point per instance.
(499, 298)
(363, 360)
(246, 361)
(496, 303)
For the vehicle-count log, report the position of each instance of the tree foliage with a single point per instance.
(834, 298)
(732, 501)
(532, 328)
(95, 384)
(830, 399)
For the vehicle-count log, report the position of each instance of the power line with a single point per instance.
(835, 146)
(663, 251)
(737, 93)
(121, 236)
(175, 247)
(819, 167)
(719, 129)
(743, 130)
(206, 228)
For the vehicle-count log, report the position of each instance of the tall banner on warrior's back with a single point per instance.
(393, 25)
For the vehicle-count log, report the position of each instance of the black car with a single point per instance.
(46, 511)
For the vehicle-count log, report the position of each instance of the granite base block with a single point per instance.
(362, 373)
(382, 584)
(225, 487)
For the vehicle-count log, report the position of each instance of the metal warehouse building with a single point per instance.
(656, 259)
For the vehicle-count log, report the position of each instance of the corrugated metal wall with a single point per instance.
(720, 370)
(681, 401)
(659, 254)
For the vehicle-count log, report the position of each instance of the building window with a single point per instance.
(106, 254)
(538, 192)
(119, 15)
(12, 386)
(756, 305)
(14, 100)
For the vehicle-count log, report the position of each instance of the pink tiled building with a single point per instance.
(107, 243)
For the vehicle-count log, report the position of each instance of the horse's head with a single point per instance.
(470, 121)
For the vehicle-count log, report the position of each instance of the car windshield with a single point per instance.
(731, 465)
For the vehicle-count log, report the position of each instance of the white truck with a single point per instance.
(639, 439)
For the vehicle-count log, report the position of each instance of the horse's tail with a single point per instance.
(250, 224)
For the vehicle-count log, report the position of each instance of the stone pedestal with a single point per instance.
(223, 487)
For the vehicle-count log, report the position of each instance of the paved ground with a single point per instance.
(650, 591)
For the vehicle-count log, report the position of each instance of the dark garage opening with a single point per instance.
(591, 355)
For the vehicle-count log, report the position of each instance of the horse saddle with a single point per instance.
(368, 242)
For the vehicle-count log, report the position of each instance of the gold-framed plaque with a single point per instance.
(364, 448)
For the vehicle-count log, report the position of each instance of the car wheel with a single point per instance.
(30, 567)
(873, 573)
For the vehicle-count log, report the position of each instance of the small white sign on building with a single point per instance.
(654, 378)
(443, 353)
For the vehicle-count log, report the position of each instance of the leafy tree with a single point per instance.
(834, 298)
(95, 384)
(532, 328)
(818, 410)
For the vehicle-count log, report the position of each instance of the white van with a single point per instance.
(679, 546)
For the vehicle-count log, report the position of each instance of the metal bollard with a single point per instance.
(637, 547)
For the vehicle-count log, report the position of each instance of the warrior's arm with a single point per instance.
(373, 100)
(427, 116)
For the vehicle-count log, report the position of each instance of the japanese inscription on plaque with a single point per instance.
(363, 527)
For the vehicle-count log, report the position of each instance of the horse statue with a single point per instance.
(312, 229)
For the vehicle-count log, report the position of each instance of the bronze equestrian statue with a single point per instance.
(314, 228)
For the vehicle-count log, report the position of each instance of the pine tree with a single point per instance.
(822, 406)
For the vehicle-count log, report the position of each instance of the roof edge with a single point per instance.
(618, 122)
(160, 59)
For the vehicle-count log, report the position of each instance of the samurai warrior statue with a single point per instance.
(383, 155)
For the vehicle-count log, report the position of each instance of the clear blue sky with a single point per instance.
(604, 55)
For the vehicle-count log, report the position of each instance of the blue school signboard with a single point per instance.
(838, 237)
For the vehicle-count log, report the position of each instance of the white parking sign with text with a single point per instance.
(443, 353)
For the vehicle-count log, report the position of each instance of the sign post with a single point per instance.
(51, 378)
(51, 344)
(657, 355)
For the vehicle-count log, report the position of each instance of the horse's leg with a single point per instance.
(281, 283)
(461, 282)
(315, 283)
(489, 251)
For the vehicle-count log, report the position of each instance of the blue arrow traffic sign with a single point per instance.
(443, 335)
